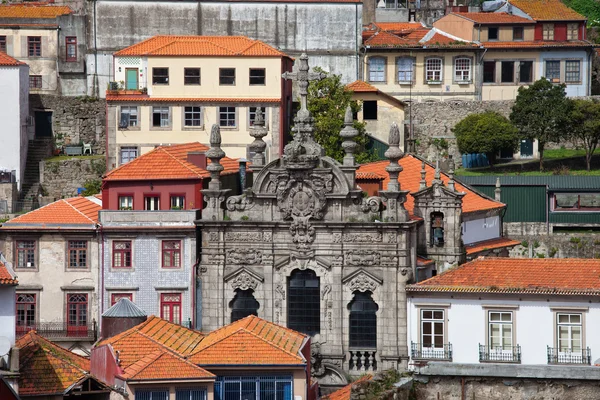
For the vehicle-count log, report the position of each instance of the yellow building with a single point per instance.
(172, 89)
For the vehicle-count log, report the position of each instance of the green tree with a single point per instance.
(541, 112)
(91, 187)
(488, 132)
(327, 102)
(585, 126)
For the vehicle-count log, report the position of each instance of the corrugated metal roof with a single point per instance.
(553, 182)
(124, 308)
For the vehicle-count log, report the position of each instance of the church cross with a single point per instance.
(303, 77)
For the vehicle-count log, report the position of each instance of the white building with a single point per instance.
(14, 109)
(531, 317)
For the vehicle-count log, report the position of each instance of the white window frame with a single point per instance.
(462, 73)
(228, 112)
(125, 202)
(165, 117)
(569, 329)
(405, 75)
(434, 70)
(152, 202)
(567, 62)
(548, 31)
(503, 326)
(377, 69)
(429, 351)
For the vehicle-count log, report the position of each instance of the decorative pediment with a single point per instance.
(244, 279)
(362, 281)
(437, 191)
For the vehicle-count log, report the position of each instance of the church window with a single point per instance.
(437, 229)
(304, 302)
(243, 304)
(377, 69)
(363, 321)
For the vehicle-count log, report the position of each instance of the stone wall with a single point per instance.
(74, 119)
(573, 245)
(61, 179)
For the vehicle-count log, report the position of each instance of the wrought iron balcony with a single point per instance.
(420, 352)
(569, 356)
(362, 360)
(506, 354)
(61, 331)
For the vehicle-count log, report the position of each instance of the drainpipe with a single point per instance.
(356, 40)
(547, 212)
(101, 277)
(96, 89)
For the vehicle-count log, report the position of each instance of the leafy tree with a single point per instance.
(541, 112)
(327, 102)
(488, 133)
(91, 187)
(585, 126)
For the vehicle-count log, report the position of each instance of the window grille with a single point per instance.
(243, 304)
(363, 321)
(304, 302)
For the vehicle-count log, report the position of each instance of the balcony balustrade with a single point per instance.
(569, 356)
(61, 331)
(362, 360)
(423, 352)
(506, 354)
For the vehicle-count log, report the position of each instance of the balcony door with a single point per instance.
(77, 314)
(131, 76)
(170, 307)
(432, 333)
(25, 320)
(501, 334)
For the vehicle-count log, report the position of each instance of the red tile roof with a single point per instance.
(493, 18)
(6, 276)
(491, 244)
(535, 44)
(33, 10)
(168, 162)
(46, 368)
(345, 392)
(547, 10)
(145, 98)
(411, 176)
(422, 261)
(417, 38)
(398, 27)
(76, 212)
(362, 86)
(8, 61)
(201, 46)
(559, 276)
(163, 365)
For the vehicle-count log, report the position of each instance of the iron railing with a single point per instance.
(61, 331)
(362, 360)
(507, 354)
(420, 352)
(569, 356)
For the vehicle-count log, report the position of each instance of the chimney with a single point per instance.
(14, 359)
(197, 158)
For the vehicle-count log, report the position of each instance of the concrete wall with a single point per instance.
(481, 229)
(7, 313)
(61, 179)
(8, 193)
(388, 111)
(72, 74)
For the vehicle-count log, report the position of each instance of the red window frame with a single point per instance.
(71, 48)
(171, 254)
(25, 312)
(34, 46)
(77, 314)
(3, 43)
(124, 195)
(35, 81)
(28, 254)
(170, 307)
(148, 196)
(78, 254)
(121, 258)
(115, 297)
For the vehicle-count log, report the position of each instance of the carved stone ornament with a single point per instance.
(241, 202)
(362, 283)
(303, 264)
(336, 238)
(367, 258)
(244, 256)
(213, 237)
(372, 204)
(244, 281)
(362, 237)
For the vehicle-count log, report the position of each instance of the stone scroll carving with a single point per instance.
(241, 202)
(367, 258)
(362, 281)
(244, 256)
(362, 237)
(244, 281)
(372, 204)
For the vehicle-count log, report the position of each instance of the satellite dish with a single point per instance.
(4, 345)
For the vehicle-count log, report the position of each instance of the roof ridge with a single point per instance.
(135, 160)
(76, 209)
(145, 361)
(32, 211)
(271, 343)
(182, 162)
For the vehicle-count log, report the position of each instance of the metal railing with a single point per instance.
(420, 352)
(558, 356)
(507, 354)
(60, 331)
(362, 360)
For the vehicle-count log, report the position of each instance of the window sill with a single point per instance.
(257, 84)
(131, 128)
(229, 128)
(405, 83)
(573, 83)
(434, 82)
(191, 84)
(378, 82)
(226, 84)
(463, 82)
(159, 84)
(154, 128)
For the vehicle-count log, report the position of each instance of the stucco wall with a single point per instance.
(481, 229)
(388, 111)
(7, 313)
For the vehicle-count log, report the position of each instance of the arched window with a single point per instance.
(243, 304)
(363, 321)
(304, 302)
(376, 69)
(437, 229)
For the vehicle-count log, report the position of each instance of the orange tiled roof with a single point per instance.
(398, 27)
(547, 10)
(146, 98)
(422, 261)
(8, 61)
(535, 44)
(491, 244)
(73, 211)
(251, 340)
(410, 177)
(33, 10)
(560, 276)
(201, 46)
(163, 365)
(493, 18)
(362, 86)
(6, 277)
(345, 392)
(418, 38)
(168, 162)
(46, 368)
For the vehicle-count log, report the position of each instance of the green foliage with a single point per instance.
(585, 126)
(244, 218)
(99, 166)
(441, 145)
(525, 243)
(552, 252)
(91, 187)
(541, 111)
(589, 8)
(488, 133)
(327, 102)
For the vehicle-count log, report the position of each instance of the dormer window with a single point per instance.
(572, 31)
(437, 229)
(492, 33)
(548, 31)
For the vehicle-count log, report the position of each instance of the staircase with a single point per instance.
(39, 149)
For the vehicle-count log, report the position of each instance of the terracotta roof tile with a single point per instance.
(8, 61)
(74, 211)
(536, 44)
(46, 368)
(163, 365)
(410, 177)
(418, 38)
(494, 18)
(145, 98)
(345, 392)
(547, 10)
(168, 162)
(362, 86)
(201, 46)
(561, 276)
(491, 244)
(422, 261)
(33, 10)
(399, 27)
(6, 276)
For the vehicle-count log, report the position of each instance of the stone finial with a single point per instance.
(393, 153)
(423, 181)
(437, 177)
(348, 133)
(214, 154)
(451, 167)
(258, 131)
(498, 191)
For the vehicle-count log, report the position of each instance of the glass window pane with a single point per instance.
(566, 200)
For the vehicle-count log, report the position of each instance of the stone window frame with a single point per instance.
(170, 118)
(518, 73)
(237, 120)
(385, 66)
(420, 307)
(321, 328)
(88, 295)
(239, 291)
(548, 31)
(514, 80)
(573, 28)
(180, 251)
(36, 82)
(578, 82)
(455, 59)
(265, 116)
(192, 128)
(36, 254)
(88, 260)
(413, 73)
(130, 127)
(112, 255)
(502, 308)
(560, 70)
(425, 70)
(569, 310)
